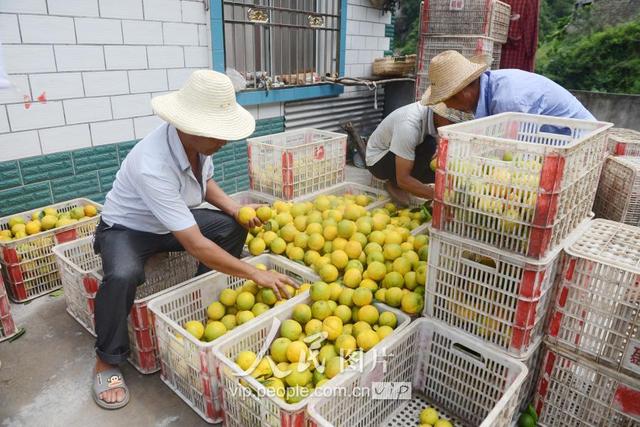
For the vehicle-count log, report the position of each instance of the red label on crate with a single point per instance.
(440, 184)
(90, 285)
(436, 220)
(318, 153)
(627, 400)
(554, 323)
(631, 359)
(148, 361)
(8, 326)
(539, 242)
(551, 360)
(66, 236)
(551, 173)
(620, 149)
(10, 256)
(144, 339)
(443, 148)
(525, 313)
(570, 269)
(528, 284)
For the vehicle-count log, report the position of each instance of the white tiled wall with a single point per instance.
(365, 37)
(98, 63)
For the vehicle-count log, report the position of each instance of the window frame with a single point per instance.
(255, 97)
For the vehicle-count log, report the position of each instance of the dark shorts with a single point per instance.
(385, 168)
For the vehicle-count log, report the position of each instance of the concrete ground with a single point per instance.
(46, 374)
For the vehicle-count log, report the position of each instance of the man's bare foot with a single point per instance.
(110, 396)
(400, 197)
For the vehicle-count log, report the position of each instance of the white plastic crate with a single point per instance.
(469, 46)
(618, 196)
(469, 384)
(493, 295)
(531, 360)
(295, 163)
(596, 312)
(378, 197)
(7, 325)
(623, 142)
(528, 202)
(245, 409)
(28, 265)
(480, 17)
(81, 274)
(187, 365)
(575, 392)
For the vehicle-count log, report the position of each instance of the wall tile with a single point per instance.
(81, 185)
(91, 159)
(9, 175)
(19, 199)
(42, 168)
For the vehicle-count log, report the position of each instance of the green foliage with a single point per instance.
(607, 60)
(407, 43)
(554, 17)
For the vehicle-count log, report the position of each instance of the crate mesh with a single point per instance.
(618, 196)
(295, 163)
(28, 266)
(81, 275)
(468, 46)
(623, 142)
(7, 325)
(518, 182)
(480, 17)
(574, 393)
(188, 365)
(596, 312)
(499, 298)
(447, 370)
(243, 408)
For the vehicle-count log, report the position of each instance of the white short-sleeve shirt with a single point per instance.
(155, 187)
(401, 132)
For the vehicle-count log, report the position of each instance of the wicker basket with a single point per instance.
(394, 66)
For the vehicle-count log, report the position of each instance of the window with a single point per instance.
(274, 45)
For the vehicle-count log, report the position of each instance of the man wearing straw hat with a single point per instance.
(401, 147)
(468, 86)
(152, 208)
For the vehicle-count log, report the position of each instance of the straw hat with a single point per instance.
(449, 73)
(206, 106)
(451, 114)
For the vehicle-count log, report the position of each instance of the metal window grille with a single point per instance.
(281, 43)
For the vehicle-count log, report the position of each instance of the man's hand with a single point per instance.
(255, 222)
(275, 281)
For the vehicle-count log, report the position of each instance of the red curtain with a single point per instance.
(520, 49)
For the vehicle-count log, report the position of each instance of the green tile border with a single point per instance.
(38, 181)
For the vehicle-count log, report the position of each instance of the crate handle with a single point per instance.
(468, 353)
(485, 263)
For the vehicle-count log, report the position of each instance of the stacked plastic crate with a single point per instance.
(618, 197)
(81, 275)
(590, 373)
(7, 325)
(472, 27)
(511, 190)
(295, 163)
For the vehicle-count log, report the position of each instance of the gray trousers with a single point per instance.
(124, 253)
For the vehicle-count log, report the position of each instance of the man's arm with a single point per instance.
(408, 183)
(219, 199)
(216, 258)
